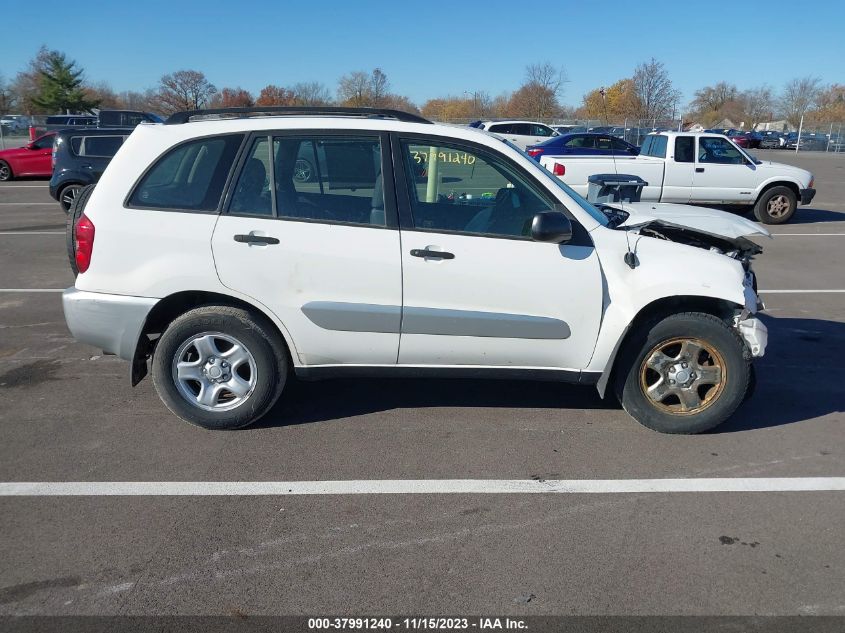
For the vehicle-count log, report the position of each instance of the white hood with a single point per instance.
(702, 219)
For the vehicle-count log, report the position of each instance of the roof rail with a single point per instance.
(383, 113)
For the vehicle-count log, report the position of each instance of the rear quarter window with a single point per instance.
(189, 177)
(654, 146)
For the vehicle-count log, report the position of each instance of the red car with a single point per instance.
(740, 138)
(34, 159)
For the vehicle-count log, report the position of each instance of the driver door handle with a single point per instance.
(429, 254)
(699, 170)
(256, 239)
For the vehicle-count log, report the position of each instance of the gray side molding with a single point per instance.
(483, 324)
(367, 317)
(354, 317)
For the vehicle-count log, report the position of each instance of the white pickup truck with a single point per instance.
(700, 169)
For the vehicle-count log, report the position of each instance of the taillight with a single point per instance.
(535, 152)
(559, 170)
(83, 238)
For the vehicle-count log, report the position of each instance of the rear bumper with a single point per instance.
(807, 195)
(111, 322)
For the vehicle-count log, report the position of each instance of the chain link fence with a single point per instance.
(815, 137)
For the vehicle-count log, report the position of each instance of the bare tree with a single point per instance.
(7, 97)
(103, 94)
(27, 84)
(311, 93)
(538, 96)
(798, 96)
(655, 91)
(757, 104)
(184, 90)
(146, 101)
(548, 76)
(379, 87)
(354, 89)
(713, 98)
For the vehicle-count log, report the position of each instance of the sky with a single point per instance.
(431, 48)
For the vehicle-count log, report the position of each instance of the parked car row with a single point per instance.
(73, 155)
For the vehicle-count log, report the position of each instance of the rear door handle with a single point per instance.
(256, 239)
(699, 170)
(429, 254)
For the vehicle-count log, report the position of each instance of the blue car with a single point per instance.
(582, 145)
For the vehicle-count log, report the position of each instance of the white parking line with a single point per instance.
(32, 289)
(798, 291)
(32, 233)
(415, 486)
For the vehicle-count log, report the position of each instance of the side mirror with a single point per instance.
(551, 226)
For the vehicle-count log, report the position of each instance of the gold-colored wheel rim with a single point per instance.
(683, 376)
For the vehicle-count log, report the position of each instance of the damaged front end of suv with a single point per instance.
(715, 231)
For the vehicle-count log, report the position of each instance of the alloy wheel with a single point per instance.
(683, 376)
(214, 371)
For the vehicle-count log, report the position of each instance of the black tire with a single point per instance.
(776, 205)
(68, 194)
(253, 333)
(718, 337)
(74, 213)
(5, 171)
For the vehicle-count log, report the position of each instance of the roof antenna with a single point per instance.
(630, 257)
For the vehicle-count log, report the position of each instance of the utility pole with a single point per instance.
(800, 128)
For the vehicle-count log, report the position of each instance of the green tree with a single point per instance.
(62, 88)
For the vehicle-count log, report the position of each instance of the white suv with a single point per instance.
(415, 250)
(520, 133)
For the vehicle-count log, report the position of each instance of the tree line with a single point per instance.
(52, 83)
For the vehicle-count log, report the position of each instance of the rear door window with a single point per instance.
(540, 130)
(654, 146)
(583, 142)
(329, 179)
(190, 177)
(685, 149)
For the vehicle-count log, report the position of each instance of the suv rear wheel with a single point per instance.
(685, 374)
(219, 367)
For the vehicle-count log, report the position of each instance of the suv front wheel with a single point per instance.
(219, 367)
(685, 374)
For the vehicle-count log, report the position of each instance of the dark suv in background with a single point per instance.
(79, 159)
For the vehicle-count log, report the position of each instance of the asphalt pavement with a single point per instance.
(68, 414)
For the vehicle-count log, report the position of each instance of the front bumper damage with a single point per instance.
(755, 334)
(753, 331)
